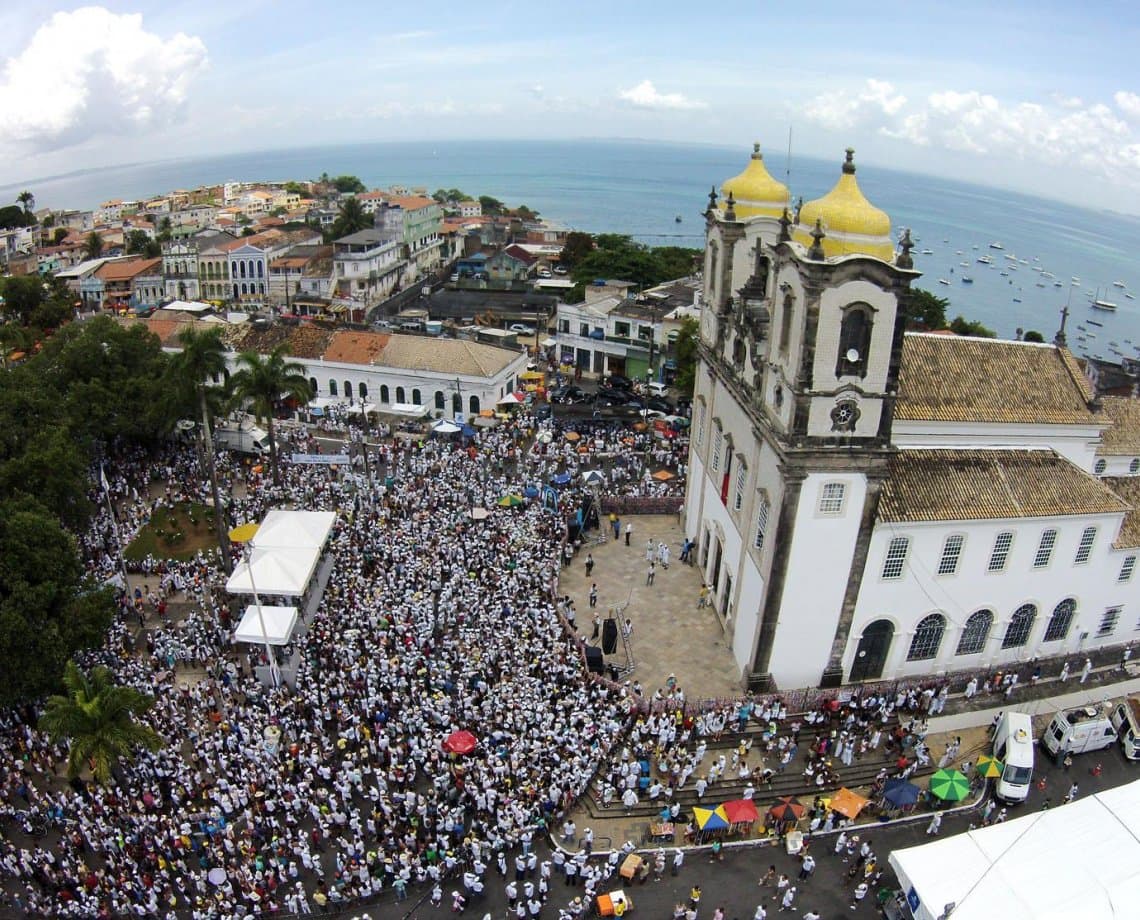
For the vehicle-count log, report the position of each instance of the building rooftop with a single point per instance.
(448, 356)
(128, 269)
(355, 347)
(971, 485)
(1128, 489)
(1123, 438)
(957, 379)
(367, 237)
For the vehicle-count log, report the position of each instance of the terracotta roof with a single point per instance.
(371, 196)
(411, 202)
(451, 356)
(959, 379)
(355, 347)
(971, 485)
(1123, 438)
(308, 341)
(127, 269)
(1128, 489)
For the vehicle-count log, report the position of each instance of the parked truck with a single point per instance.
(243, 437)
(1076, 731)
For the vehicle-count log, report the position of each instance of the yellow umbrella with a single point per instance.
(243, 533)
(989, 767)
(710, 819)
(663, 475)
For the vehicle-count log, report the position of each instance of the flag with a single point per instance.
(103, 480)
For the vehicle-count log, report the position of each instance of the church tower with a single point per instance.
(801, 335)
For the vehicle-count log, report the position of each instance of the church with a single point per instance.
(874, 504)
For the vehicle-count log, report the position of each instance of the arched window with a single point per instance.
(854, 341)
(1020, 624)
(332, 387)
(384, 394)
(738, 351)
(348, 388)
(927, 638)
(260, 269)
(241, 269)
(399, 394)
(1100, 466)
(456, 403)
(786, 321)
(1060, 621)
(976, 632)
(313, 385)
(439, 404)
(473, 403)
(416, 397)
(362, 389)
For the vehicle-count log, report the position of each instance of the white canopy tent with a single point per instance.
(405, 410)
(444, 426)
(282, 528)
(279, 625)
(1077, 860)
(282, 570)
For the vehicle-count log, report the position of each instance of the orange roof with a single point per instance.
(126, 270)
(355, 347)
(371, 196)
(411, 202)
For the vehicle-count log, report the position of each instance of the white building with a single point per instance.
(367, 265)
(870, 504)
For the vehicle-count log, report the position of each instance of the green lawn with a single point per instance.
(160, 537)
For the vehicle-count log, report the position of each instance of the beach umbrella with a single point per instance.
(530, 492)
(741, 811)
(460, 742)
(989, 767)
(544, 437)
(949, 785)
(593, 477)
(562, 479)
(511, 501)
(469, 432)
(662, 475)
(899, 793)
(788, 808)
(847, 803)
(710, 819)
(216, 876)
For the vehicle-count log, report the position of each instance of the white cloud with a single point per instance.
(645, 96)
(1128, 103)
(845, 109)
(91, 72)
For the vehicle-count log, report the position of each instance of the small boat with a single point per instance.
(1040, 284)
(1107, 305)
(1011, 257)
(1076, 279)
(985, 260)
(1130, 296)
(943, 281)
(1017, 300)
(677, 218)
(996, 245)
(1118, 284)
(966, 279)
(927, 252)
(1094, 322)
(1076, 282)
(1079, 326)
(1004, 274)
(1057, 284)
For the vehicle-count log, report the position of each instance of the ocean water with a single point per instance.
(640, 188)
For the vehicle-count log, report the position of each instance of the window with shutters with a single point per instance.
(999, 556)
(763, 509)
(1108, 622)
(741, 479)
(718, 442)
(1126, 569)
(951, 554)
(895, 560)
(1045, 549)
(1084, 548)
(700, 423)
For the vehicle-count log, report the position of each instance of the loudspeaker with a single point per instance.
(594, 660)
(609, 636)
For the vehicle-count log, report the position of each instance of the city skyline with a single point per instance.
(1008, 97)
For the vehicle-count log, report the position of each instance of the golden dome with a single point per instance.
(755, 192)
(851, 223)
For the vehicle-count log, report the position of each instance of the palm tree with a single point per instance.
(93, 246)
(350, 219)
(202, 358)
(97, 718)
(28, 200)
(262, 382)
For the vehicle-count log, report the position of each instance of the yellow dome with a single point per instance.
(851, 223)
(755, 192)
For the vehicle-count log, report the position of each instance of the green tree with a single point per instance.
(203, 357)
(165, 230)
(492, 207)
(349, 185)
(261, 383)
(577, 246)
(27, 201)
(13, 215)
(971, 327)
(93, 246)
(525, 213)
(350, 219)
(59, 235)
(98, 719)
(923, 310)
(1034, 336)
(13, 337)
(296, 188)
(23, 295)
(617, 256)
(686, 355)
(139, 242)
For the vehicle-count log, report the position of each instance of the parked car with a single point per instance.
(656, 388)
(661, 405)
(544, 273)
(619, 382)
(542, 411)
(521, 328)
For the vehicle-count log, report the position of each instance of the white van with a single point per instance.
(1125, 718)
(1078, 731)
(1013, 746)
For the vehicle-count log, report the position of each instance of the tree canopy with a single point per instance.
(13, 215)
(262, 382)
(348, 184)
(492, 207)
(686, 355)
(140, 243)
(959, 325)
(923, 310)
(350, 219)
(619, 257)
(576, 247)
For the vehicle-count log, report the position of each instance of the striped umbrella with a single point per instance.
(989, 767)
(710, 819)
(949, 785)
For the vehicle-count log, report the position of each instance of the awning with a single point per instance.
(285, 571)
(405, 410)
(279, 625)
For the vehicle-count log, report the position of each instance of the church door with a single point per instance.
(871, 655)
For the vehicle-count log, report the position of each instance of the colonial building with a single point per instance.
(872, 504)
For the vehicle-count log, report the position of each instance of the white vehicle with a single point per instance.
(1013, 746)
(1078, 731)
(243, 437)
(1125, 718)
(521, 328)
(656, 388)
(544, 273)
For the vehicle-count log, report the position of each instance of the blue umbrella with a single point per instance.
(530, 492)
(468, 431)
(899, 793)
(561, 479)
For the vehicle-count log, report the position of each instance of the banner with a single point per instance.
(322, 459)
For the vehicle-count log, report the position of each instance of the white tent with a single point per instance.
(293, 529)
(594, 477)
(284, 570)
(1077, 860)
(444, 426)
(406, 410)
(279, 625)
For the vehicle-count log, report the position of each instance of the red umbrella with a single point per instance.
(740, 811)
(460, 742)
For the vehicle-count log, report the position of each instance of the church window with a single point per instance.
(363, 388)
(400, 395)
(348, 389)
(1000, 554)
(1084, 548)
(332, 387)
(786, 322)
(831, 498)
(927, 638)
(854, 341)
(1045, 549)
(1134, 466)
(976, 632)
(1108, 622)
(384, 393)
(895, 559)
(1020, 624)
(1100, 466)
(1126, 569)
(738, 351)
(439, 399)
(700, 423)
(741, 479)
(951, 553)
(718, 440)
(1060, 621)
(763, 509)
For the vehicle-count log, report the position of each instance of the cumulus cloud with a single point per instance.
(646, 96)
(1063, 130)
(92, 72)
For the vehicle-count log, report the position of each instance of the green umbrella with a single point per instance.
(989, 767)
(949, 785)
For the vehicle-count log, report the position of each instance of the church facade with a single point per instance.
(870, 503)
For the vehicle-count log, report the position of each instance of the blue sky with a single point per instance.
(1041, 97)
